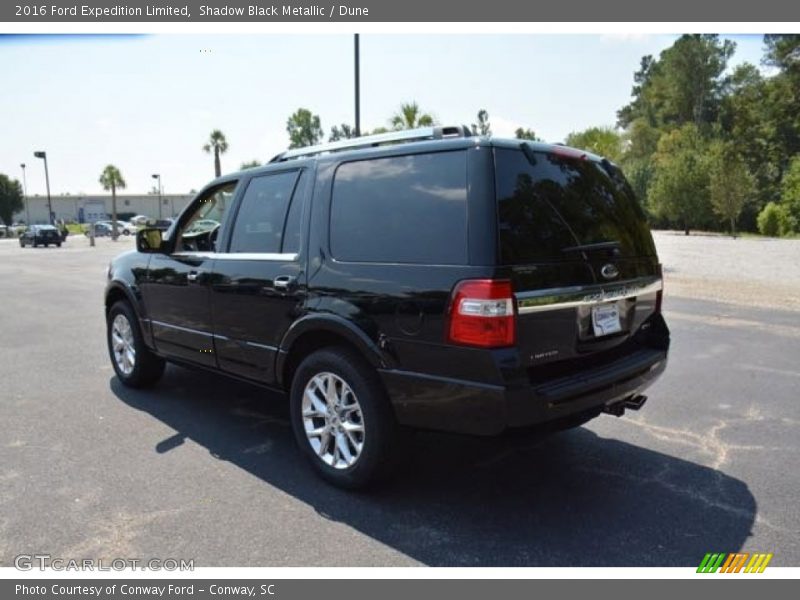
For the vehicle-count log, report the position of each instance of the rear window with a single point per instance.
(548, 203)
(402, 209)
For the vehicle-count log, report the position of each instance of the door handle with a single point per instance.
(284, 283)
(192, 276)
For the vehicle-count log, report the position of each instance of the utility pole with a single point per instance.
(43, 155)
(358, 85)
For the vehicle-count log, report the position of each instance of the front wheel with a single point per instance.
(342, 419)
(135, 365)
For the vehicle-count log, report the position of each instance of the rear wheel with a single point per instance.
(342, 419)
(135, 365)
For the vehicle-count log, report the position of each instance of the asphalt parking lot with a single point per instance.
(203, 468)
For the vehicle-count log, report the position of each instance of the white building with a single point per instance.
(84, 208)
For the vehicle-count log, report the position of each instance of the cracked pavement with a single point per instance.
(204, 468)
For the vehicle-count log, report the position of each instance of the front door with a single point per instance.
(176, 289)
(258, 285)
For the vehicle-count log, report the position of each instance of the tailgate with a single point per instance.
(580, 256)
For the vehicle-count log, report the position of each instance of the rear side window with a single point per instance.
(262, 214)
(548, 203)
(403, 209)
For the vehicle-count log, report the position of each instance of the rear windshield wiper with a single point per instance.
(589, 247)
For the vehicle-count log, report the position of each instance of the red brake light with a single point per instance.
(482, 314)
(567, 152)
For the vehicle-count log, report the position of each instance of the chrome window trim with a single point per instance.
(588, 295)
(270, 256)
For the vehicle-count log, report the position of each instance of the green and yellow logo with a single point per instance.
(737, 562)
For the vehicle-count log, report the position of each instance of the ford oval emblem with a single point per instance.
(609, 271)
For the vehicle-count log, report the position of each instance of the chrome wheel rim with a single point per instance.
(122, 344)
(332, 420)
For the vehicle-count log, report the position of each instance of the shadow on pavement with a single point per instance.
(572, 499)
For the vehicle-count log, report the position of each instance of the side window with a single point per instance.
(404, 209)
(199, 231)
(262, 213)
(291, 231)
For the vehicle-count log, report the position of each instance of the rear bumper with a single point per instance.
(467, 407)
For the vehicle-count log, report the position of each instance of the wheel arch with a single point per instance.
(315, 332)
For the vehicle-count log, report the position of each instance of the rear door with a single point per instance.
(578, 251)
(258, 286)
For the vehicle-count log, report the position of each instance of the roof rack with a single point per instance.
(371, 141)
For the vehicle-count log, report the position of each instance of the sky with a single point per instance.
(148, 103)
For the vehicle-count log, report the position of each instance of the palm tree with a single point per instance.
(219, 145)
(111, 179)
(410, 117)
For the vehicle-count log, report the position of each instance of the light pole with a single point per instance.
(158, 176)
(25, 196)
(357, 60)
(43, 155)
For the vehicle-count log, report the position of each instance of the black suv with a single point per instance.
(424, 278)
(37, 235)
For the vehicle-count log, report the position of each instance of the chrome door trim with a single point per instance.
(178, 327)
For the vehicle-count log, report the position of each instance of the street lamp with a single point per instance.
(158, 176)
(43, 155)
(357, 60)
(25, 196)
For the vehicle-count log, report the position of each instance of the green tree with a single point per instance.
(304, 129)
(604, 141)
(409, 116)
(679, 190)
(11, 200)
(379, 130)
(790, 189)
(526, 134)
(684, 85)
(343, 132)
(217, 144)
(250, 164)
(482, 127)
(730, 182)
(111, 180)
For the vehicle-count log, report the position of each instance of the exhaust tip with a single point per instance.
(635, 402)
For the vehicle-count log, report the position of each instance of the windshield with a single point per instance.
(550, 206)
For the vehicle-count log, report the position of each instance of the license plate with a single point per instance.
(605, 319)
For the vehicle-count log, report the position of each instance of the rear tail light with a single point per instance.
(482, 314)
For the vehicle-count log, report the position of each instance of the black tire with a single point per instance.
(35, 243)
(58, 244)
(148, 367)
(377, 456)
(21, 243)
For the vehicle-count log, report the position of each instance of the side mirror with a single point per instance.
(149, 240)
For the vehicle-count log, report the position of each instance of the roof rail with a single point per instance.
(370, 141)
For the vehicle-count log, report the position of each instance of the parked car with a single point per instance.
(123, 228)
(424, 278)
(40, 235)
(139, 220)
(101, 229)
